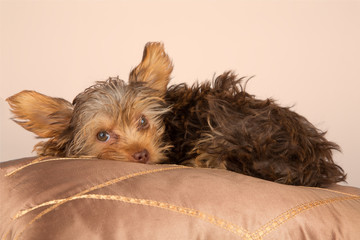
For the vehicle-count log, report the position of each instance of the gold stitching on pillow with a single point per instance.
(41, 160)
(152, 203)
(107, 183)
(23, 212)
(258, 234)
(282, 218)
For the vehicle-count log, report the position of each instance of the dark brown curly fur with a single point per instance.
(217, 124)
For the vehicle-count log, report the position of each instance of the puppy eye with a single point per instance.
(103, 136)
(143, 123)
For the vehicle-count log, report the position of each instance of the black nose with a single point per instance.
(141, 156)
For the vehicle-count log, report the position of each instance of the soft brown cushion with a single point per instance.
(66, 198)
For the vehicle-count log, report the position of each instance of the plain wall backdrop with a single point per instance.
(302, 53)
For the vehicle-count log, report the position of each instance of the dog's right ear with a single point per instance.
(155, 68)
(45, 116)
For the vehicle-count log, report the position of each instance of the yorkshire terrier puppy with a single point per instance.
(215, 124)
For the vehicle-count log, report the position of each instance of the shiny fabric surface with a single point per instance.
(67, 198)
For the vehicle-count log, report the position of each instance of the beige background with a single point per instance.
(305, 53)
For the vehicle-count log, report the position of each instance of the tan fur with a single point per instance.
(45, 116)
(155, 68)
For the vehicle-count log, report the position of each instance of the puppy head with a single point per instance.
(110, 120)
(114, 120)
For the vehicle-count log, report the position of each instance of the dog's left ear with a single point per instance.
(155, 68)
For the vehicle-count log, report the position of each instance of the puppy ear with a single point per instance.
(155, 67)
(45, 116)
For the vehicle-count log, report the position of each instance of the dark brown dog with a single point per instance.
(214, 124)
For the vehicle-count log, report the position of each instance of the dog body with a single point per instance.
(218, 125)
(215, 124)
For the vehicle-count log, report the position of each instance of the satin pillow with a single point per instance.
(80, 198)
